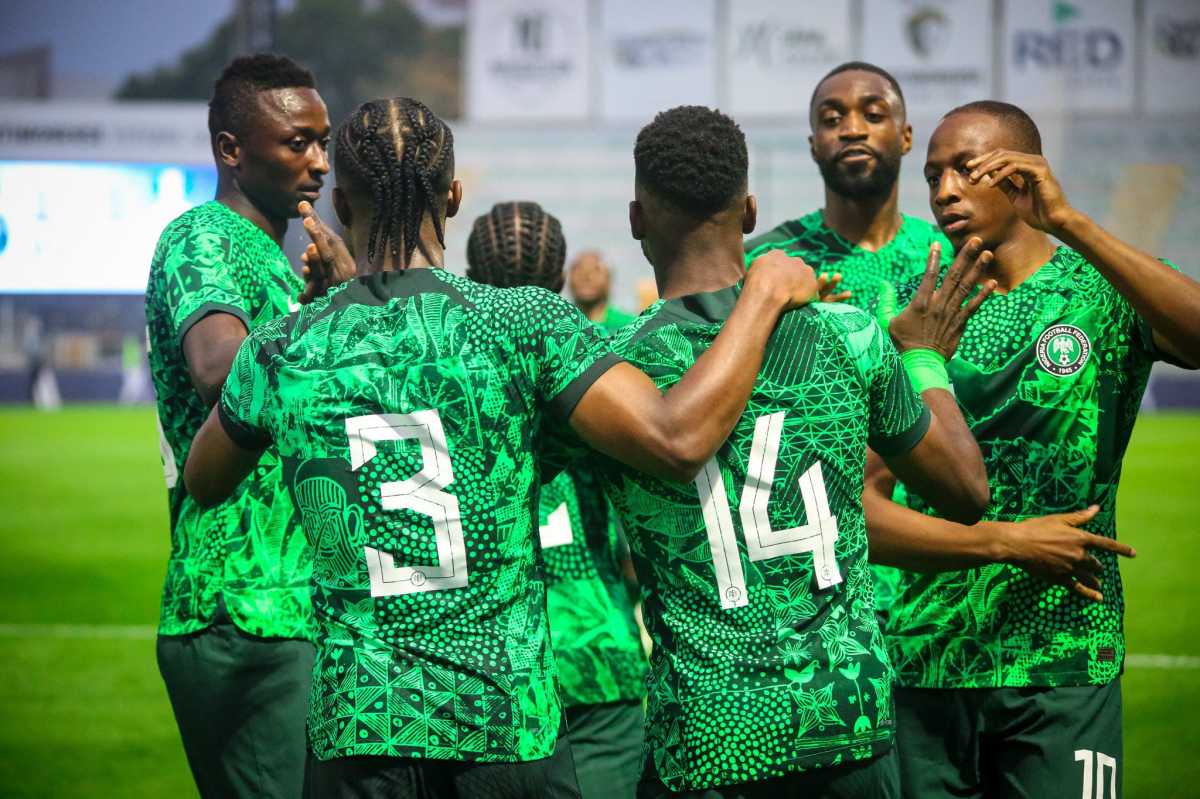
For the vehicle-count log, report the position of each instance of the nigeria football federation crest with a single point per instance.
(1062, 350)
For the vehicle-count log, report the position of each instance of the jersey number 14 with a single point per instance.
(762, 542)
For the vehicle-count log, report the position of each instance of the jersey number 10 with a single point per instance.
(817, 537)
(423, 492)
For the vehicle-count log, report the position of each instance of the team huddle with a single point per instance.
(843, 468)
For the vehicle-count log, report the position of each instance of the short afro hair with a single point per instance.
(1020, 127)
(517, 244)
(859, 66)
(234, 93)
(694, 158)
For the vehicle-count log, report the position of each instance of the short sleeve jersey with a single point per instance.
(756, 592)
(250, 550)
(1049, 377)
(596, 640)
(408, 408)
(869, 276)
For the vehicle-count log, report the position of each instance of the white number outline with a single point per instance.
(423, 492)
(818, 536)
(556, 532)
(1096, 773)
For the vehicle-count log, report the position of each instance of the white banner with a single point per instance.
(1069, 56)
(776, 52)
(527, 60)
(1171, 44)
(939, 50)
(656, 56)
(144, 132)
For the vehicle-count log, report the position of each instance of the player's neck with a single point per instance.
(700, 261)
(429, 253)
(870, 223)
(1017, 257)
(230, 195)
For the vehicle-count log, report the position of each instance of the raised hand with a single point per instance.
(936, 316)
(327, 262)
(1053, 549)
(1028, 183)
(783, 276)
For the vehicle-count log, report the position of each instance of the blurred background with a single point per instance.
(103, 140)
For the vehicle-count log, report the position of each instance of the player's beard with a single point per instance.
(855, 185)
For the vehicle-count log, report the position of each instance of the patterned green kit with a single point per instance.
(767, 655)
(250, 550)
(409, 409)
(596, 640)
(870, 277)
(1049, 377)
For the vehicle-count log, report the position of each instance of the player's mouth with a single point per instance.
(856, 154)
(953, 223)
(311, 193)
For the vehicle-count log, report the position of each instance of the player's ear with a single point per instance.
(812, 151)
(454, 198)
(341, 207)
(228, 149)
(637, 220)
(906, 139)
(749, 214)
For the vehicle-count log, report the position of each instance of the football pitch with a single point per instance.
(83, 534)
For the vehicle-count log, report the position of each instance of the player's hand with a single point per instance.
(1053, 549)
(327, 262)
(827, 288)
(786, 279)
(936, 317)
(1028, 183)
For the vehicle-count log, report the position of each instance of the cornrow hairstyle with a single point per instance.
(232, 107)
(1019, 126)
(403, 154)
(694, 158)
(859, 66)
(517, 244)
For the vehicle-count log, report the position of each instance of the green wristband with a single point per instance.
(926, 369)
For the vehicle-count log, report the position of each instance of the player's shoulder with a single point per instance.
(793, 231)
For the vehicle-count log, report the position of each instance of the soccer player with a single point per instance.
(1008, 685)
(860, 132)
(409, 407)
(589, 281)
(234, 645)
(595, 638)
(768, 673)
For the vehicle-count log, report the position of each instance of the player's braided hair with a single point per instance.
(517, 244)
(404, 155)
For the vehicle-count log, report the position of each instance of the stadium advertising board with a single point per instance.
(528, 60)
(775, 53)
(657, 55)
(939, 50)
(1171, 44)
(1069, 56)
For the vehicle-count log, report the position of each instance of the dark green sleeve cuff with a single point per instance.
(903, 442)
(239, 432)
(564, 404)
(203, 311)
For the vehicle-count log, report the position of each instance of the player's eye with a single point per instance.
(325, 143)
(875, 117)
(931, 180)
(831, 120)
(298, 145)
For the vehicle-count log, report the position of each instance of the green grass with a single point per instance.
(83, 537)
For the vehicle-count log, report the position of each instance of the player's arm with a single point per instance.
(945, 466)
(1050, 547)
(1166, 299)
(672, 435)
(208, 347)
(216, 464)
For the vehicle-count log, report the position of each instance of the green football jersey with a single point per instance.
(767, 655)
(409, 409)
(615, 319)
(1049, 377)
(592, 628)
(249, 551)
(868, 276)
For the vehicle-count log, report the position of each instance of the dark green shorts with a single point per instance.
(606, 742)
(369, 777)
(1010, 742)
(868, 779)
(240, 703)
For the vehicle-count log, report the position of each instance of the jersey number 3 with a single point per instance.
(424, 493)
(817, 537)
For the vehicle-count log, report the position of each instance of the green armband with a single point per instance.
(926, 369)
